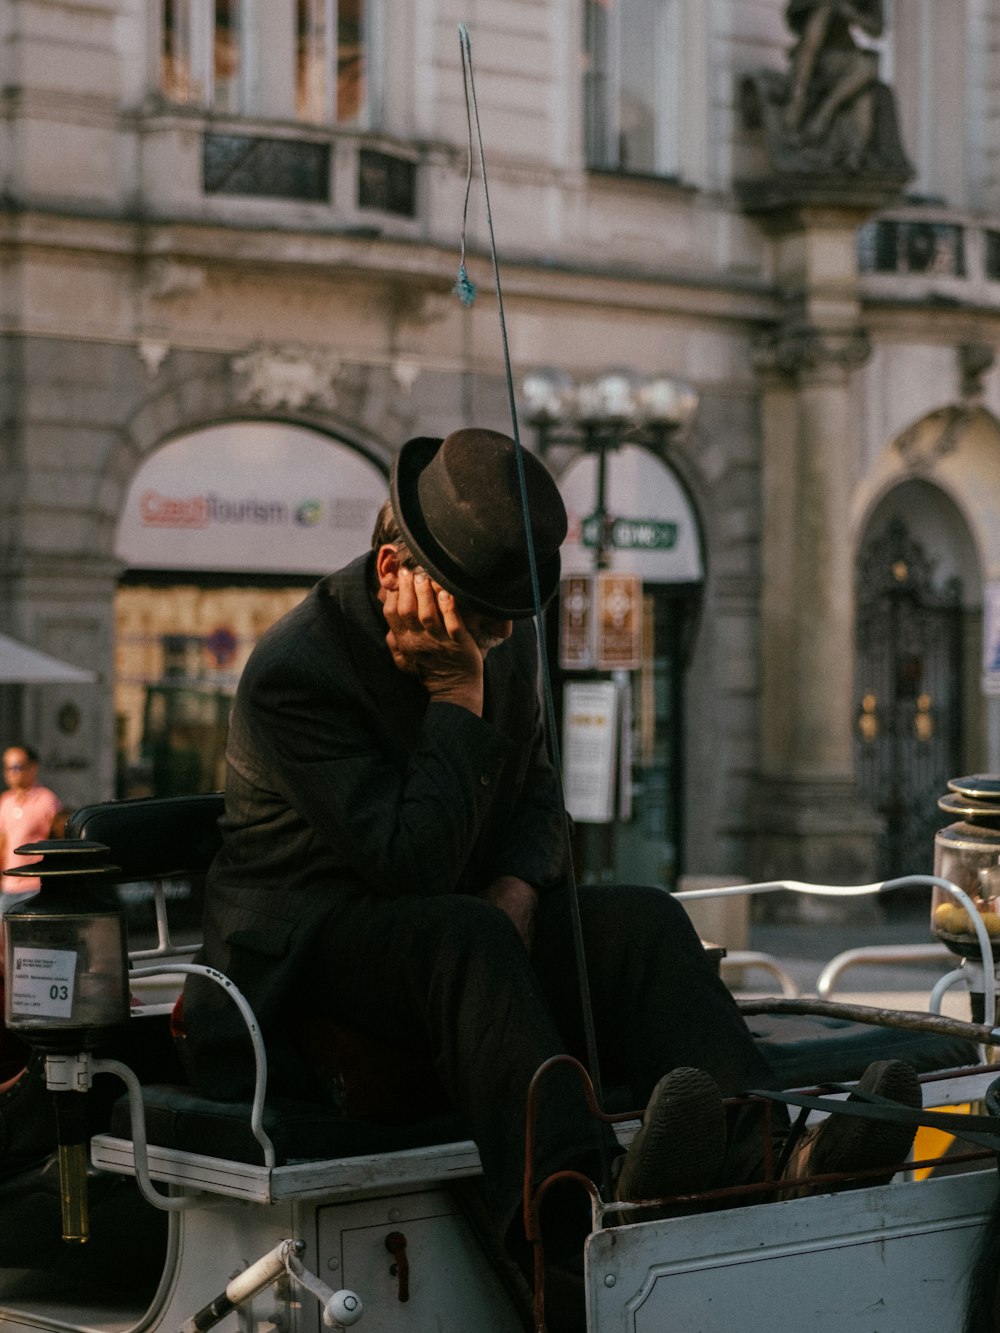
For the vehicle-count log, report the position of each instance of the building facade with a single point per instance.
(230, 234)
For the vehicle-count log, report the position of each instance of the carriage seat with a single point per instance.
(166, 837)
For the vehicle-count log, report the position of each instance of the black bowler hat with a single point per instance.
(458, 505)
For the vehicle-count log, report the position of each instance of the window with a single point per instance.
(632, 64)
(201, 52)
(226, 50)
(330, 71)
(942, 73)
(893, 245)
(387, 183)
(282, 59)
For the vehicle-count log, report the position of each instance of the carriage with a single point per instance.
(283, 1216)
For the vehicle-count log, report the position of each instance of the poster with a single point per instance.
(600, 622)
(576, 646)
(619, 622)
(590, 750)
(991, 638)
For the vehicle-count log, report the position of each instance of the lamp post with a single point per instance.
(598, 416)
(601, 414)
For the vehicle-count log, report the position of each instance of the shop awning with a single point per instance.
(21, 665)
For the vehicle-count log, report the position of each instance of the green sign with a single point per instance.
(632, 534)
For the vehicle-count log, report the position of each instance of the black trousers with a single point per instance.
(449, 976)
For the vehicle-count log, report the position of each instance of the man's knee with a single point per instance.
(462, 924)
(647, 904)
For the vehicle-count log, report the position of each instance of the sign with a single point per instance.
(42, 985)
(221, 645)
(631, 534)
(619, 622)
(600, 622)
(576, 623)
(251, 496)
(654, 530)
(590, 751)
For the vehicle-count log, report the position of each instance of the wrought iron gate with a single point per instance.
(908, 674)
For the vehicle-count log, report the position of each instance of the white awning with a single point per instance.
(21, 665)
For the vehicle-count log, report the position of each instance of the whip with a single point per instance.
(466, 291)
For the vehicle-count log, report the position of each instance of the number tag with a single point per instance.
(42, 985)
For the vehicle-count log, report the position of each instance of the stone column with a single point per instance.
(63, 604)
(810, 824)
(62, 80)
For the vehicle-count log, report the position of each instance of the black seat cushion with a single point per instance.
(154, 837)
(808, 1049)
(177, 1117)
(803, 1051)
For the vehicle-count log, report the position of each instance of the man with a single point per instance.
(395, 857)
(28, 812)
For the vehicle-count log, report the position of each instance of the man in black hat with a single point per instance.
(394, 856)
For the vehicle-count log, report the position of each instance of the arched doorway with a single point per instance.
(918, 594)
(222, 531)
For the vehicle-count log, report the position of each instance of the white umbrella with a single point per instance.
(21, 665)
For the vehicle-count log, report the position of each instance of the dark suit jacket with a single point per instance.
(342, 779)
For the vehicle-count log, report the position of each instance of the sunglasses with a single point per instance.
(15, 768)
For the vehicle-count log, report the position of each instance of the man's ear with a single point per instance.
(387, 566)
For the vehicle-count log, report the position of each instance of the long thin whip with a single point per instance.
(466, 291)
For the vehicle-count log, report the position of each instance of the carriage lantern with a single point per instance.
(66, 987)
(967, 853)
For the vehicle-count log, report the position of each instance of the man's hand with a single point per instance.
(428, 639)
(518, 899)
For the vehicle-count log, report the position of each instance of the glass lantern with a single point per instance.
(65, 955)
(65, 986)
(967, 853)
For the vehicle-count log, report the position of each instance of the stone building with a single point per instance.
(230, 232)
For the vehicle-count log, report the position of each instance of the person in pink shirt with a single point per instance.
(27, 813)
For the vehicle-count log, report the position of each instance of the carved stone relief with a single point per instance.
(287, 377)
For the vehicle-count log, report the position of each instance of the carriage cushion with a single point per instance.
(153, 837)
(804, 1050)
(177, 1117)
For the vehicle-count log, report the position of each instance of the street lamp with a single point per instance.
(600, 414)
(601, 615)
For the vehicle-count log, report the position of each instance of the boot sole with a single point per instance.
(682, 1142)
(862, 1145)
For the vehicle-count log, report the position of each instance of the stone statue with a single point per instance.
(829, 114)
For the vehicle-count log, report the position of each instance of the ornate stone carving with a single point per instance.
(164, 278)
(153, 354)
(933, 437)
(938, 434)
(287, 377)
(828, 114)
(974, 360)
(406, 372)
(794, 348)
